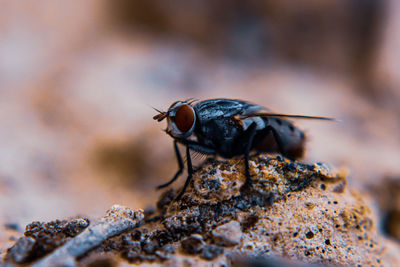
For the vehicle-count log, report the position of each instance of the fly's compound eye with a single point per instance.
(184, 118)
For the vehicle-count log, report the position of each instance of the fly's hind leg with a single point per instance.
(180, 165)
(279, 142)
(277, 138)
(249, 135)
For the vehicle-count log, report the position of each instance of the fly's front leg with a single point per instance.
(180, 165)
(193, 145)
(190, 173)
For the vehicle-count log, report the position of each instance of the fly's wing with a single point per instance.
(242, 112)
(254, 114)
(289, 116)
(253, 110)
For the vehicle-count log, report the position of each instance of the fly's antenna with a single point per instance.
(159, 117)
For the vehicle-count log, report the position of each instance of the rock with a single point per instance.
(150, 246)
(303, 212)
(42, 238)
(117, 220)
(295, 211)
(21, 251)
(210, 252)
(228, 234)
(12, 226)
(193, 244)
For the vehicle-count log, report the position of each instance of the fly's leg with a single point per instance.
(250, 132)
(277, 138)
(190, 173)
(189, 145)
(180, 164)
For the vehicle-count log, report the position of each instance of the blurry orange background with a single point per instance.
(78, 80)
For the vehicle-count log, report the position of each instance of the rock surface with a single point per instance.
(41, 239)
(300, 212)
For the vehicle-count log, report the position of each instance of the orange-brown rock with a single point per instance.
(293, 211)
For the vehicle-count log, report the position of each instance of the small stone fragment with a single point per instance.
(21, 251)
(165, 252)
(118, 219)
(249, 222)
(210, 252)
(168, 249)
(193, 244)
(150, 246)
(130, 243)
(228, 234)
(12, 226)
(340, 187)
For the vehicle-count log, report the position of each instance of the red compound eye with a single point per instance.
(184, 118)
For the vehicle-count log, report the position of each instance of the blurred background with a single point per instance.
(78, 80)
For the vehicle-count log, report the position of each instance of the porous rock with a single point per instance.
(66, 241)
(303, 212)
(42, 238)
(300, 212)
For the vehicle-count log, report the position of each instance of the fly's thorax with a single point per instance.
(181, 119)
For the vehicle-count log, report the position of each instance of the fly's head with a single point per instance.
(181, 119)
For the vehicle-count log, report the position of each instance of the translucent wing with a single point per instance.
(272, 114)
(253, 110)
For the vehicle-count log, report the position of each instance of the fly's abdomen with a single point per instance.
(291, 138)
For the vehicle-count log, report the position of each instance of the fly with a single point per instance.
(229, 128)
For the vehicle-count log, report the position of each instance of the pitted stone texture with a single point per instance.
(301, 212)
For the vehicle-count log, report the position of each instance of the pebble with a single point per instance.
(228, 234)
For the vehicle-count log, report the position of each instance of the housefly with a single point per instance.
(229, 128)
